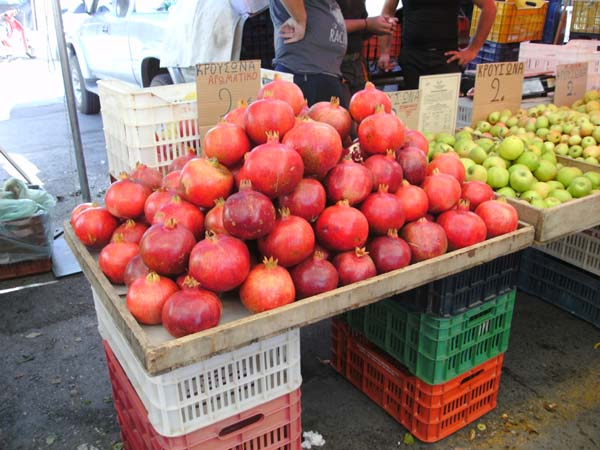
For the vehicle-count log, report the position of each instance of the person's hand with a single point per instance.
(463, 57)
(381, 25)
(292, 31)
(384, 62)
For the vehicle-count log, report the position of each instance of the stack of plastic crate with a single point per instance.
(244, 399)
(432, 357)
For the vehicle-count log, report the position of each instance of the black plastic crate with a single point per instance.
(561, 284)
(467, 289)
(257, 39)
(492, 52)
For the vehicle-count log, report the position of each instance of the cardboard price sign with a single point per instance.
(220, 86)
(405, 105)
(498, 86)
(438, 102)
(571, 83)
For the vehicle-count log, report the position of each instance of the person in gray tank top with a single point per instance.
(310, 42)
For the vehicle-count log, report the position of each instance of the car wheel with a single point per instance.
(161, 79)
(87, 102)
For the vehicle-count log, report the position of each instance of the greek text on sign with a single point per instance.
(405, 105)
(571, 83)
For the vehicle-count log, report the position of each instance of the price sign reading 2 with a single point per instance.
(225, 97)
(496, 90)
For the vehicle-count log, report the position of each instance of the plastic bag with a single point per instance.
(20, 190)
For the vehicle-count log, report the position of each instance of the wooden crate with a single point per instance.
(25, 268)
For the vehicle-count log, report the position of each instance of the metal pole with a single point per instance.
(68, 82)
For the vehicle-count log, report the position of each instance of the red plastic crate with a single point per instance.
(428, 412)
(370, 49)
(275, 425)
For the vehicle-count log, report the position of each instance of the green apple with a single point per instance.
(594, 177)
(521, 180)
(580, 187)
(574, 140)
(512, 121)
(516, 166)
(507, 191)
(463, 134)
(591, 151)
(485, 143)
(542, 132)
(548, 156)
(575, 151)
(542, 122)
(466, 162)
(538, 203)
(499, 130)
(529, 159)
(548, 146)
(429, 135)
(530, 125)
(561, 149)
(511, 148)
(541, 188)
(587, 141)
(551, 202)
(493, 117)
(494, 160)
(558, 127)
(483, 126)
(568, 127)
(561, 194)
(476, 172)
(445, 138)
(592, 160)
(463, 146)
(478, 154)
(596, 133)
(530, 195)
(555, 185)
(546, 171)
(586, 128)
(497, 177)
(564, 138)
(567, 174)
(554, 137)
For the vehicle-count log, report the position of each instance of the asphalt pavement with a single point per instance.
(56, 391)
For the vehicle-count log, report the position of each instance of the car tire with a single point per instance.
(87, 102)
(161, 79)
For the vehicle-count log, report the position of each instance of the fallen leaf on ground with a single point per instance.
(481, 427)
(597, 346)
(51, 439)
(472, 434)
(56, 380)
(87, 402)
(33, 335)
(408, 439)
(117, 446)
(504, 416)
(530, 429)
(26, 358)
(550, 406)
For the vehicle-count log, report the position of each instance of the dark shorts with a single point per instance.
(415, 63)
(317, 87)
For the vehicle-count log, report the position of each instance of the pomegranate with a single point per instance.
(290, 242)
(184, 213)
(135, 269)
(165, 248)
(129, 231)
(341, 227)
(114, 257)
(273, 168)
(477, 192)
(284, 90)
(414, 164)
(426, 239)
(180, 161)
(462, 227)
(314, 276)
(190, 311)
(385, 170)
(125, 198)
(227, 143)
(443, 191)
(389, 252)
(205, 180)
(349, 181)
(414, 138)
(172, 182)
(380, 132)
(268, 286)
(149, 177)
(214, 218)
(186, 281)
(307, 200)
(327, 254)
(155, 201)
(318, 144)
(80, 208)
(448, 163)
(354, 265)
(219, 262)
(248, 214)
(364, 102)
(333, 114)
(94, 227)
(415, 202)
(237, 115)
(268, 114)
(383, 211)
(499, 217)
(147, 296)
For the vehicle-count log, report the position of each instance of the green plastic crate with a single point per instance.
(437, 349)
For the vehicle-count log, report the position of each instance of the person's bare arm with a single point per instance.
(486, 20)
(293, 29)
(385, 41)
(379, 25)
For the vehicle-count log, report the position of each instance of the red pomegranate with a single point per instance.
(314, 275)
(318, 144)
(180, 161)
(248, 214)
(389, 252)
(268, 115)
(227, 143)
(381, 132)
(129, 231)
(415, 202)
(443, 191)
(364, 102)
(426, 239)
(213, 221)
(333, 114)
(349, 181)
(135, 269)
(477, 192)
(448, 163)
(237, 115)
(155, 201)
(287, 91)
(205, 180)
(385, 170)
(267, 286)
(499, 217)
(415, 138)
(172, 182)
(94, 227)
(184, 213)
(274, 168)
(114, 257)
(341, 227)
(148, 176)
(147, 296)
(290, 242)
(165, 248)
(354, 265)
(307, 200)
(125, 198)
(190, 311)
(219, 262)
(82, 207)
(414, 164)
(462, 227)
(383, 211)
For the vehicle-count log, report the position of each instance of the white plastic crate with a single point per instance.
(198, 395)
(151, 125)
(464, 113)
(580, 249)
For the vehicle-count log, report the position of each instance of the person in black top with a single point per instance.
(430, 37)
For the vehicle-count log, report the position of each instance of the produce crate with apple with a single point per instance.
(494, 52)
(586, 17)
(581, 249)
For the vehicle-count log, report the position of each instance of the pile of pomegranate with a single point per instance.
(282, 206)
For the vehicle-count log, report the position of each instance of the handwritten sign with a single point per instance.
(220, 86)
(405, 104)
(571, 83)
(498, 86)
(267, 76)
(438, 102)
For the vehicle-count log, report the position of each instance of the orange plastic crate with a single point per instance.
(514, 24)
(586, 17)
(370, 49)
(428, 412)
(274, 425)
